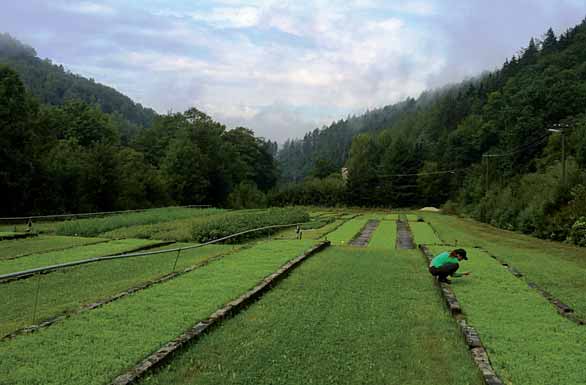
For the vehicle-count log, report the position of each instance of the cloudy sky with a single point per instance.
(281, 68)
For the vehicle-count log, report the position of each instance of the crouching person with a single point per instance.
(446, 264)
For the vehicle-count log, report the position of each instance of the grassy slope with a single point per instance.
(41, 244)
(528, 342)
(345, 316)
(71, 288)
(385, 236)
(72, 254)
(94, 347)
(558, 268)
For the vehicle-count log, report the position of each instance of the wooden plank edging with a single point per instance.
(471, 336)
(159, 357)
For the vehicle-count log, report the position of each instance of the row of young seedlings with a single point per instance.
(563, 309)
(479, 354)
(162, 355)
(50, 321)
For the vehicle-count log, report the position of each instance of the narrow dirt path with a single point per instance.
(404, 236)
(365, 234)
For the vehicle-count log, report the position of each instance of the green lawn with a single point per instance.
(558, 268)
(72, 254)
(67, 290)
(347, 231)
(385, 235)
(95, 347)
(41, 244)
(345, 316)
(527, 340)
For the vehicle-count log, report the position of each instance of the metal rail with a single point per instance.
(47, 269)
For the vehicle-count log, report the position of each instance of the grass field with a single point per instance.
(41, 244)
(528, 341)
(347, 315)
(94, 347)
(556, 267)
(67, 290)
(72, 254)
(385, 236)
(314, 329)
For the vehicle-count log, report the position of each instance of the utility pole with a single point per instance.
(560, 128)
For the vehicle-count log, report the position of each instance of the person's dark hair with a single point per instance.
(462, 253)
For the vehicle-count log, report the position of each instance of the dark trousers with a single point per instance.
(442, 272)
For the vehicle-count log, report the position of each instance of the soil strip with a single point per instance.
(477, 350)
(167, 277)
(362, 238)
(404, 236)
(230, 309)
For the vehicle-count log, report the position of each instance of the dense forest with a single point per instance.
(490, 147)
(68, 144)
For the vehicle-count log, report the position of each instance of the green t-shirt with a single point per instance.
(443, 258)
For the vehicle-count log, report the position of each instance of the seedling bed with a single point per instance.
(470, 335)
(563, 309)
(6, 236)
(229, 310)
(105, 249)
(50, 321)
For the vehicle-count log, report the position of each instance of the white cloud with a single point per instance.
(90, 8)
(225, 57)
(229, 17)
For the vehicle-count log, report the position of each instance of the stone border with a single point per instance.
(165, 353)
(477, 350)
(50, 321)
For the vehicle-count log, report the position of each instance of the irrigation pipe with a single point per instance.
(46, 269)
(93, 214)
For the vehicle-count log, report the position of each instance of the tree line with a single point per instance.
(71, 157)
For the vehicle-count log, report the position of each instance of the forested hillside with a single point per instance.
(483, 146)
(65, 147)
(52, 84)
